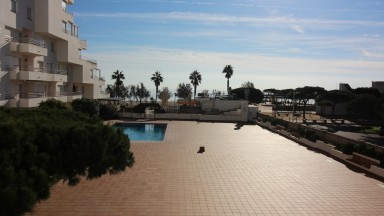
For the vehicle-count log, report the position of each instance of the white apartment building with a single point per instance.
(40, 55)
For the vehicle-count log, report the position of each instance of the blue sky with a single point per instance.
(274, 44)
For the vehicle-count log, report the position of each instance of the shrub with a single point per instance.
(52, 104)
(87, 106)
(39, 147)
(347, 148)
(140, 108)
(274, 122)
(311, 136)
(108, 111)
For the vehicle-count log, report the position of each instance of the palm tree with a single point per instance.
(118, 87)
(157, 79)
(195, 78)
(118, 76)
(228, 73)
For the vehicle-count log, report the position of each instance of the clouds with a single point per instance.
(272, 43)
(211, 18)
(139, 63)
(298, 29)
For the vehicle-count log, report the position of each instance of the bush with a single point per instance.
(347, 148)
(39, 147)
(108, 111)
(52, 104)
(311, 136)
(87, 106)
(274, 122)
(140, 108)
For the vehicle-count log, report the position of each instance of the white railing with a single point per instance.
(34, 69)
(8, 96)
(68, 94)
(12, 68)
(44, 95)
(35, 95)
(87, 59)
(40, 43)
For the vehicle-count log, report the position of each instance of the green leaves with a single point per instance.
(39, 147)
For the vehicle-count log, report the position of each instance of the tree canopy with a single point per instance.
(248, 84)
(165, 95)
(195, 78)
(254, 95)
(41, 146)
(157, 79)
(366, 106)
(334, 97)
(307, 93)
(118, 90)
(184, 90)
(228, 71)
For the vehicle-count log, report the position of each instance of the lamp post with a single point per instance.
(174, 102)
(293, 105)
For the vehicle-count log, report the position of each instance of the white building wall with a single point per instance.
(52, 65)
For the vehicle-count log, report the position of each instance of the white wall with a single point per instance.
(221, 105)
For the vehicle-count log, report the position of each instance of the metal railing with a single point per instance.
(34, 95)
(87, 59)
(8, 96)
(68, 94)
(34, 69)
(12, 68)
(40, 43)
(45, 95)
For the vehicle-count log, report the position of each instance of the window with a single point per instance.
(69, 28)
(29, 13)
(13, 5)
(75, 30)
(64, 26)
(52, 47)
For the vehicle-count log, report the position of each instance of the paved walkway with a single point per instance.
(247, 171)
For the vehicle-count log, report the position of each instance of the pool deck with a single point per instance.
(243, 171)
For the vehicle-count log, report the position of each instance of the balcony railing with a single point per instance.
(33, 69)
(44, 95)
(68, 94)
(40, 43)
(88, 59)
(8, 96)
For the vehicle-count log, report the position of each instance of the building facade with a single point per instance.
(40, 55)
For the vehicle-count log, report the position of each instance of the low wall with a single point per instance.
(184, 116)
(221, 105)
(330, 150)
(324, 135)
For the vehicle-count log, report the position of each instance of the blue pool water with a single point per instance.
(143, 131)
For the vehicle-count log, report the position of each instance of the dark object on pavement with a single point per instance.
(201, 149)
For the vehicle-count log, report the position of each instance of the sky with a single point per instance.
(272, 43)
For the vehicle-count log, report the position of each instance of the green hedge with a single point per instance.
(39, 147)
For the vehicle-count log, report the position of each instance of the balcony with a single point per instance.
(87, 59)
(33, 99)
(38, 74)
(29, 46)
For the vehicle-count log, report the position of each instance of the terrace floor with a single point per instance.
(244, 171)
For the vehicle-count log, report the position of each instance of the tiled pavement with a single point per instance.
(249, 171)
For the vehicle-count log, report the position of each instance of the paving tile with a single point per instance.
(249, 171)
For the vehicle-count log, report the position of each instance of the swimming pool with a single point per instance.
(143, 131)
